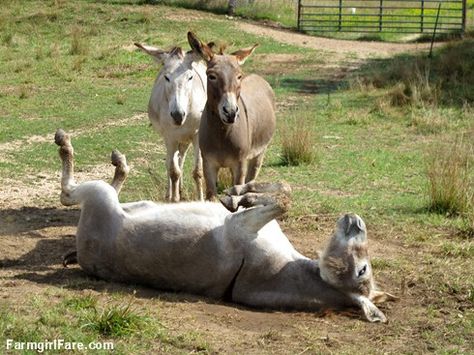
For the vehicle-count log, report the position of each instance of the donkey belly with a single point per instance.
(188, 253)
(195, 266)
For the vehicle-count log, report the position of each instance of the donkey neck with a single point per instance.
(309, 289)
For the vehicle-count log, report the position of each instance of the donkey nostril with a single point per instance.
(225, 110)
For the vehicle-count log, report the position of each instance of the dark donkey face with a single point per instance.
(224, 78)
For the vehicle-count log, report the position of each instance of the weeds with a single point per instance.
(297, 140)
(115, 321)
(224, 180)
(449, 171)
(79, 44)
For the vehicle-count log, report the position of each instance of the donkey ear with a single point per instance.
(203, 50)
(177, 51)
(351, 224)
(158, 54)
(380, 297)
(243, 54)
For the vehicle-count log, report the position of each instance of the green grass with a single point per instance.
(83, 319)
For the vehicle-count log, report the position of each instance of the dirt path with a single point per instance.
(363, 49)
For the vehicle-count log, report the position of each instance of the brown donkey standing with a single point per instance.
(238, 120)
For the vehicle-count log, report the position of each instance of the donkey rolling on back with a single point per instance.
(176, 104)
(238, 121)
(202, 248)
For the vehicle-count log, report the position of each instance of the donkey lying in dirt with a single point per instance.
(202, 248)
(238, 121)
(176, 104)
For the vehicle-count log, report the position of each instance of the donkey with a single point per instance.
(238, 121)
(175, 107)
(202, 248)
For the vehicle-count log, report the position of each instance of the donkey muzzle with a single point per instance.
(178, 117)
(230, 115)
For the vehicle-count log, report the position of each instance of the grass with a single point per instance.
(369, 144)
(83, 318)
(297, 142)
(449, 171)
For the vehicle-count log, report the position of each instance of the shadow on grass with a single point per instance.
(312, 86)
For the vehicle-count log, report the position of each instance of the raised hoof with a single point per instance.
(230, 202)
(118, 158)
(70, 258)
(61, 138)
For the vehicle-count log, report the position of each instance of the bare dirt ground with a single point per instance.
(362, 49)
(36, 231)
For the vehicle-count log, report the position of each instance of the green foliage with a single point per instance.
(115, 321)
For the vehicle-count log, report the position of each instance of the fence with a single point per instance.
(401, 16)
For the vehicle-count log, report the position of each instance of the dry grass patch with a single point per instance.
(449, 169)
(297, 142)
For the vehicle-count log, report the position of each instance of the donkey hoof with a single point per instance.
(235, 190)
(70, 258)
(230, 202)
(61, 138)
(118, 158)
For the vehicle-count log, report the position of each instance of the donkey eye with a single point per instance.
(212, 77)
(362, 271)
(239, 77)
(191, 78)
(167, 78)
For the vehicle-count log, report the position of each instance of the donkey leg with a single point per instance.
(253, 219)
(70, 258)
(251, 199)
(197, 171)
(254, 167)
(239, 172)
(183, 149)
(259, 187)
(66, 153)
(174, 172)
(210, 177)
(121, 170)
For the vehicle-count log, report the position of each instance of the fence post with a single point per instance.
(340, 15)
(380, 15)
(464, 9)
(434, 31)
(298, 11)
(422, 15)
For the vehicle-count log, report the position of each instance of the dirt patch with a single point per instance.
(361, 49)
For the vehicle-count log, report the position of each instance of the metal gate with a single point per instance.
(401, 16)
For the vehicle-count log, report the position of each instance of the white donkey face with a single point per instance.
(177, 76)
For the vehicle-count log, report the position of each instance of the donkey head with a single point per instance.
(179, 70)
(224, 78)
(345, 264)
